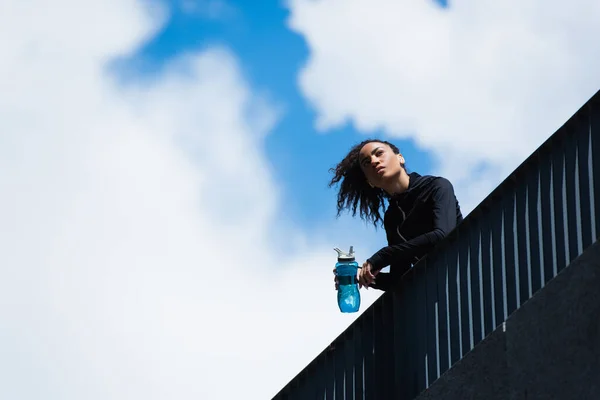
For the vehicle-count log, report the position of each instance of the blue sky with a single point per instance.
(168, 223)
(271, 56)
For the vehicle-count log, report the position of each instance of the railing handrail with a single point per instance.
(505, 224)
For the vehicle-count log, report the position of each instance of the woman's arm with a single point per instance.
(444, 221)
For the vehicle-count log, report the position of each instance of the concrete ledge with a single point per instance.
(481, 374)
(548, 349)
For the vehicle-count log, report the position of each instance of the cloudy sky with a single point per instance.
(166, 229)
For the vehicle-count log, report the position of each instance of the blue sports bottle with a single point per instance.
(346, 268)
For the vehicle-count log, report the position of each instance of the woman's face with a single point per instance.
(379, 163)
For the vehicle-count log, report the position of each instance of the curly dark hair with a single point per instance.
(355, 192)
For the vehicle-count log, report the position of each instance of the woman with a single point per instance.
(421, 210)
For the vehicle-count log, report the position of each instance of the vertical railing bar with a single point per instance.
(566, 216)
(379, 356)
(441, 269)
(421, 323)
(459, 300)
(529, 237)
(504, 278)
(481, 285)
(535, 264)
(349, 365)
(487, 275)
(305, 382)
(449, 321)
(295, 394)
(579, 237)
(436, 373)
(367, 344)
(499, 293)
(453, 303)
(447, 314)
(510, 244)
(583, 178)
(595, 167)
(571, 188)
(590, 164)
(330, 375)
(321, 371)
(559, 211)
(388, 340)
(553, 218)
(553, 239)
(432, 319)
(378, 350)
(291, 389)
(546, 226)
(465, 289)
(476, 292)
(358, 361)
(339, 368)
(472, 319)
(540, 232)
(400, 342)
(523, 240)
(516, 251)
(410, 386)
(309, 387)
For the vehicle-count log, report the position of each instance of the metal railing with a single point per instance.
(544, 215)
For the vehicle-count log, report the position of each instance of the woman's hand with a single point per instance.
(335, 278)
(366, 276)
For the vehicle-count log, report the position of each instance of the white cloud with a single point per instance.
(137, 258)
(481, 82)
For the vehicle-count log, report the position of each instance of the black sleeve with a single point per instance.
(444, 220)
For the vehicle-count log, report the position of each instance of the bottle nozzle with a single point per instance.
(345, 256)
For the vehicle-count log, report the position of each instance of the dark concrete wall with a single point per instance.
(547, 349)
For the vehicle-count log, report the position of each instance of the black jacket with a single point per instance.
(415, 221)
